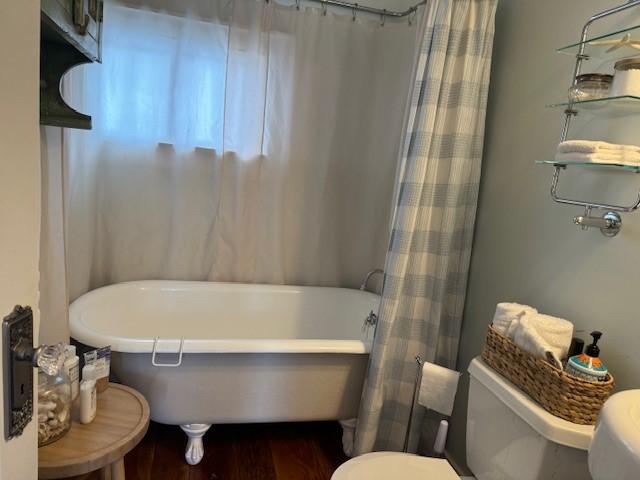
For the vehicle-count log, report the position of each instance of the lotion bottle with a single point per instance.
(88, 394)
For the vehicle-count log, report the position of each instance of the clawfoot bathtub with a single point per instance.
(205, 353)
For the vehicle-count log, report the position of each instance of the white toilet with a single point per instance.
(509, 437)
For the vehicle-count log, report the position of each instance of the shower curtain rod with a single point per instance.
(363, 8)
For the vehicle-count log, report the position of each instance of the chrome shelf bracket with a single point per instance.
(581, 203)
(611, 222)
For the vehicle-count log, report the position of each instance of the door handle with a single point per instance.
(17, 345)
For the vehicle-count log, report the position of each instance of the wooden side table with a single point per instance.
(121, 421)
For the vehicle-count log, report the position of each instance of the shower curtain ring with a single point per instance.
(383, 17)
(353, 12)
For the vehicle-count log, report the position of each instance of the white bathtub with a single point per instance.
(250, 353)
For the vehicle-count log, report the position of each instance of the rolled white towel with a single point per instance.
(619, 158)
(507, 314)
(544, 336)
(592, 146)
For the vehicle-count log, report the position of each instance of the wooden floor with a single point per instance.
(284, 451)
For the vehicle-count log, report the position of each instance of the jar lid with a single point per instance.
(628, 64)
(594, 77)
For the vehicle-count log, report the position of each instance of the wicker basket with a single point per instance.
(559, 393)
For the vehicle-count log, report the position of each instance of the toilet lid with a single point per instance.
(394, 465)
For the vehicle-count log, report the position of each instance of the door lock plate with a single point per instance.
(17, 345)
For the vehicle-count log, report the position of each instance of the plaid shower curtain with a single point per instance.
(430, 248)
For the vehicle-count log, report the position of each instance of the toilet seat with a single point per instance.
(394, 465)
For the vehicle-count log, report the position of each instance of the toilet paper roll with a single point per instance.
(438, 388)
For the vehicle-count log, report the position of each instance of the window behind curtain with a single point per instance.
(162, 79)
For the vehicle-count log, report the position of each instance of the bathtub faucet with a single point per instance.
(371, 320)
(369, 275)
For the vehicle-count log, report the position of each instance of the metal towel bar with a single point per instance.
(155, 351)
(363, 8)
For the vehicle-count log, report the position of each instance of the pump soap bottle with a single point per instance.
(588, 365)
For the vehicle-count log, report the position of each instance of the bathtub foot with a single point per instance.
(348, 435)
(195, 449)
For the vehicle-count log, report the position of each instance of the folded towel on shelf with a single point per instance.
(591, 146)
(544, 336)
(507, 315)
(438, 388)
(621, 158)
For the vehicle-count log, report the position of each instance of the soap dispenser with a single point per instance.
(588, 365)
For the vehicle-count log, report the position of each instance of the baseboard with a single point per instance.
(465, 473)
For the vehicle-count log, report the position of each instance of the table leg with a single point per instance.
(117, 470)
(105, 473)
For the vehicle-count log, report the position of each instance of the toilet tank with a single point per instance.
(510, 437)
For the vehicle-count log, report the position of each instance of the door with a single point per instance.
(19, 197)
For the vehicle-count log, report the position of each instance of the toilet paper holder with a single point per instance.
(416, 387)
(441, 436)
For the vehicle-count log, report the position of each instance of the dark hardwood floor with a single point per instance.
(281, 451)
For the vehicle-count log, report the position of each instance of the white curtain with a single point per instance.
(240, 141)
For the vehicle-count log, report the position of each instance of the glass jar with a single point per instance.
(54, 395)
(590, 86)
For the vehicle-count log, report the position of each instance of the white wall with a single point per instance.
(526, 248)
(19, 193)
(54, 300)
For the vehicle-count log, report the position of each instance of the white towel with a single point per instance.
(544, 336)
(612, 157)
(438, 388)
(590, 146)
(506, 316)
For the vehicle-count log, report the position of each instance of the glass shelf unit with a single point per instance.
(598, 47)
(594, 165)
(607, 107)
